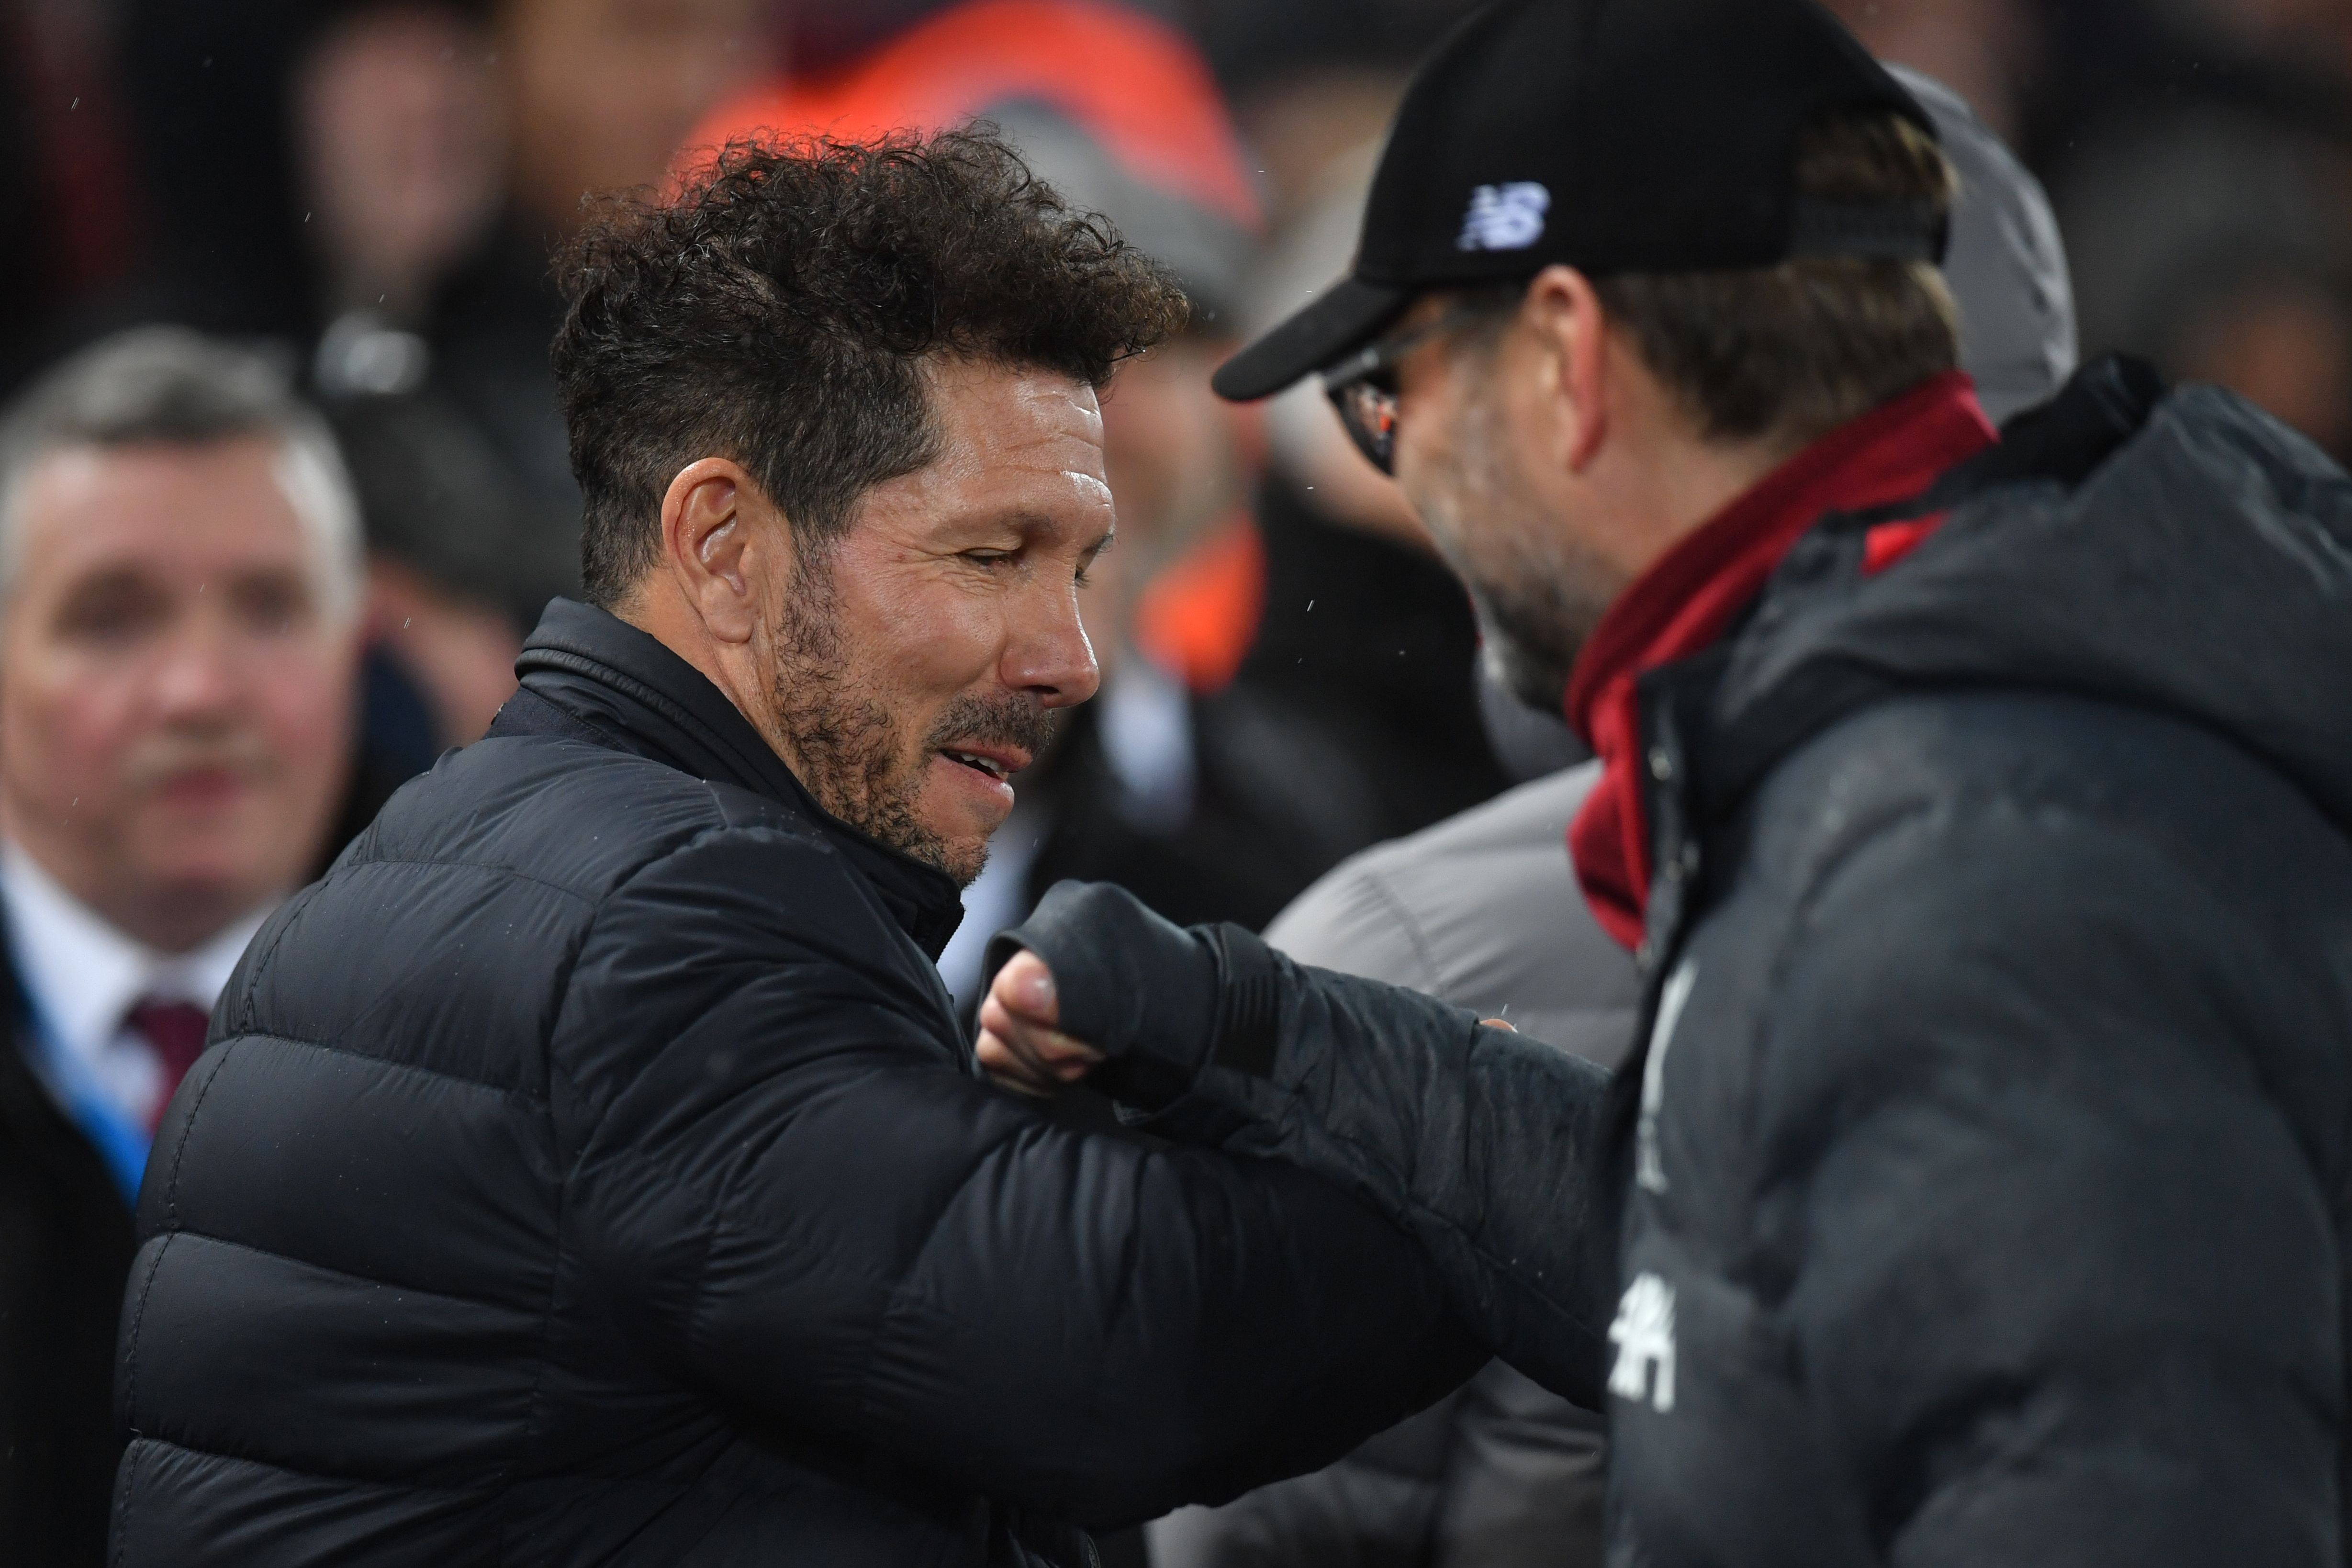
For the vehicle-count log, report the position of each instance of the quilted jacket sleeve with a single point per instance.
(1483, 1143)
(816, 1213)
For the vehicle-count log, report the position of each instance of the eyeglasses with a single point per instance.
(1363, 386)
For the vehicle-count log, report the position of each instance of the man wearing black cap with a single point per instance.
(1978, 805)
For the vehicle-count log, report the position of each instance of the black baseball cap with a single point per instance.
(1614, 136)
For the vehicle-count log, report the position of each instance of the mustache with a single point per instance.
(167, 757)
(1006, 721)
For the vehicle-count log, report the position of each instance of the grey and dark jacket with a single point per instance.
(1979, 1192)
(589, 1169)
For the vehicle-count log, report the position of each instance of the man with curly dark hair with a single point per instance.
(589, 1168)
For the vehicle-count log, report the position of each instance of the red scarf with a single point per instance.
(1687, 599)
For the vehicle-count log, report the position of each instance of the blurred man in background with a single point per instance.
(399, 142)
(375, 184)
(446, 145)
(179, 600)
(594, 95)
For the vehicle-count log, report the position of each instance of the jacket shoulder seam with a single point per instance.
(512, 1091)
(504, 869)
(403, 1484)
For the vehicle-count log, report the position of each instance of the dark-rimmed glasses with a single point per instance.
(1363, 386)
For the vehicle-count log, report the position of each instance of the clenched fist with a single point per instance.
(1020, 1046)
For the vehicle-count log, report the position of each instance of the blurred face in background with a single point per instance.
(175, 683)
(1983, 49)
(2285, 343)
(1306, 446)
(1173, 452)
(397, 121)
(600, 93)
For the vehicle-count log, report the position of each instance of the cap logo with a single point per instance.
(1505, 218)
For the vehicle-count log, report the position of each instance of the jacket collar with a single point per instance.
(1691, 597)
(638, 696)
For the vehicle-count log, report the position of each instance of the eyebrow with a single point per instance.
(1031, 522)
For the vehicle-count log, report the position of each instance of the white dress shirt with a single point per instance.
(82, 978)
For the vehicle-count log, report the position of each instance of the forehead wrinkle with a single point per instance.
(1075, 397)
(1000, 445)
(1025, 439)
(1027, 450)
(1060, 409)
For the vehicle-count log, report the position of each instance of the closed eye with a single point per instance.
(1085, 574)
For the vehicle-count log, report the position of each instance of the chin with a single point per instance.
(194, 853)
(1534, 683)
(230, 878)
(963, 855)
(965, 861)
(1532, 669)
(955, 840)
(235, 833)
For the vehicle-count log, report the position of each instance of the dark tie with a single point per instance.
(176, 1030)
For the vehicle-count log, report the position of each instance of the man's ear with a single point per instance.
(1572, 333)
(717, 536)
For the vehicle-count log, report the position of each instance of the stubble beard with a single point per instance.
(851, 750)
(1537, 592)
(1531, 631)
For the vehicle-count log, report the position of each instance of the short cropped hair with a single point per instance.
(169, 386)
(1796, 350)
(779, 309)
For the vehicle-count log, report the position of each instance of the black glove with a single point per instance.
(1159, 1001)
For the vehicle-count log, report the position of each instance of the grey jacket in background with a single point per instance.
(1481, 911)
(2006, 265)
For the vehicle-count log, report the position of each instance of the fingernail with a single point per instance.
(1033, 991)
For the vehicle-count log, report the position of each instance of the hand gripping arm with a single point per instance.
(1484, 1144)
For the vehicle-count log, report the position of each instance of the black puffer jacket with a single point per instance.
(1983, 1183)
(589, 1171)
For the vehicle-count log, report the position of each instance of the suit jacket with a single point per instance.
(66, 1244)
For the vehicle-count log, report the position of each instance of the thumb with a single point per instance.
(1025, 987)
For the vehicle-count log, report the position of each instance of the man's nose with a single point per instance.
(198, 677)
(1049, 654)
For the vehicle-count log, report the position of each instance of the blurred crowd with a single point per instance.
(354, 202)
(368, 190)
